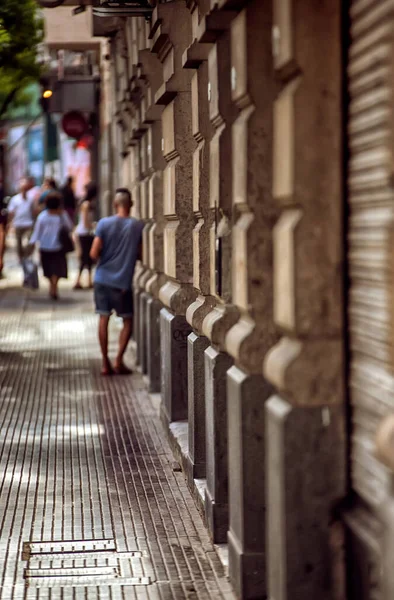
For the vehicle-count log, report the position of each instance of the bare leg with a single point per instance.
(78, 281)
(90, 277)
(103, 338)
(53, 286)
(124, 339)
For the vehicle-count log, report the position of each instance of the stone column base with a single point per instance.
(143, 331)
(153, 308)
(247, 571)
(136, 323)
(196, 467)
(246, 397)
(216, 494)
(174, 330)
(305, 482)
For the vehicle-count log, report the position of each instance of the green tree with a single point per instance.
(21, 32)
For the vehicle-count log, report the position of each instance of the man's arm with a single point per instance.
(11, 211)
(35, 207)
(96, 248)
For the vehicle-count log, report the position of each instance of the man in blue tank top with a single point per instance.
(117, 247)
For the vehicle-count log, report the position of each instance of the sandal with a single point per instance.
(78, 287)
(123, 370)
(107, 370)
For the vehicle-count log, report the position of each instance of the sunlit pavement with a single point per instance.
(90, 503)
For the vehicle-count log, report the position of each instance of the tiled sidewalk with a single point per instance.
(84, 460)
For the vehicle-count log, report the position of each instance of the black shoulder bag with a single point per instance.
(65, 239)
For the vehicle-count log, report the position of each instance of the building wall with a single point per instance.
(228, 123)
(63, 29)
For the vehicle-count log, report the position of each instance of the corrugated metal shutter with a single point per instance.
(371, 198)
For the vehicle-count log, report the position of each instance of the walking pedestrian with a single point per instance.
(34, 190)
(3, 227)
(69, 200)
(48, 186)
(84, 233)
(47, 232)
(21, 213)
(117, 245)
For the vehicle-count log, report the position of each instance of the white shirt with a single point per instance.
(47, 228)
(22, 209)
(82, 228)
(35, 192)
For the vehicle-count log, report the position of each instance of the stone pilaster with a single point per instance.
(170, 36)
(214, 33)
(253, 332)
(143, 173)
(195, 58)
(305, 471)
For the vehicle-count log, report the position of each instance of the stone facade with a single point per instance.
(228, 124)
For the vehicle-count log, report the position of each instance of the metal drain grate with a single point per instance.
(66, 547)
(82, 563)
(72, 572)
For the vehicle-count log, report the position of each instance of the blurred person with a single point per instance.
(3, 227)
(84, 233)
(117, 247)
(34, 190)
(47, 232)
(80, 167)
(69, 199)
(48, 186)
(21, 214)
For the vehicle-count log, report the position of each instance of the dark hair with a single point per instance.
(52, 183)
(53, 200)
(126, 192)
(69, 180)
(91, 191)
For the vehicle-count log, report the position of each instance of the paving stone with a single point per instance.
(85, 458)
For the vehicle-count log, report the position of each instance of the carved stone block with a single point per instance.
(136, 321)
(142, 316)
(196, 345)
(174, 331)
(305, 480)
(216, 494)
(153, 309)
(246, 396)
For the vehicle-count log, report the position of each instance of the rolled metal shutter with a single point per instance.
(370, 196)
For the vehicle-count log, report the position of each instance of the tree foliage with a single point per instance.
(21, 32)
